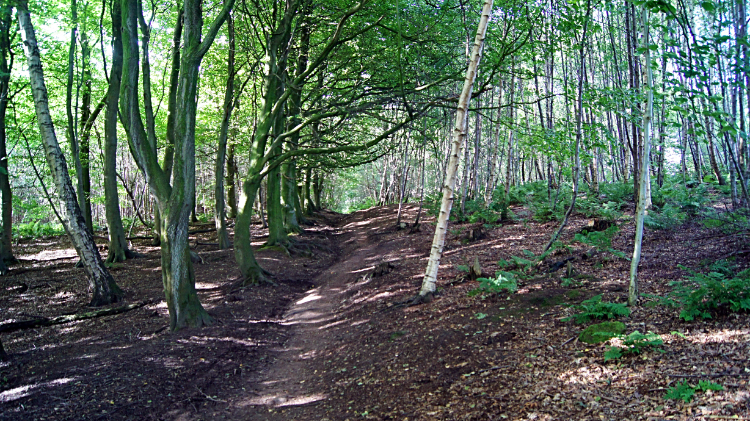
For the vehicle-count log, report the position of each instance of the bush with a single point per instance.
(701, 294)
(635, 343)
(684, 391)
(501, 281)
(616, 192)
(601, 332)
(594, 308)
(667, 217)
(601, 240)
(37, 229)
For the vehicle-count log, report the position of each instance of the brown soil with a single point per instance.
(334, 341)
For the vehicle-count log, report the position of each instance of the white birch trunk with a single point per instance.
(645, 177)
(459, 134)
(102, 285)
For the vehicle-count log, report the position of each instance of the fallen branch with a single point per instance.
(45, 321)
(201, 231)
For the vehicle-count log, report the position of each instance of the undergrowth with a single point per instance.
(685, 391)
(634, 343)
(594, 308)
(700, 294)
(602, 240)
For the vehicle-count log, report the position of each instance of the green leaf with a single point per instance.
(708, 6)
(612, 353)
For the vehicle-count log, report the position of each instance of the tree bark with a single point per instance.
(231, 181)
(103, 286)
(118, 246)
(429, 283)
(174, 201)
(6, 233)
(644, 174)
(219, 209)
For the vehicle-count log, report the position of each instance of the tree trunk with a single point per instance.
(219, 209)
(103, 287)
(644, 175)
(231, 182)
(174, 202)
(579, 131)
(118, 246)
(84, 146)
(459, 134)
(6, 233)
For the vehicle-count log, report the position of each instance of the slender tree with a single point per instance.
(429, 283)
(102, 285)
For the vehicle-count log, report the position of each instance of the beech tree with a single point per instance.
(175, 199)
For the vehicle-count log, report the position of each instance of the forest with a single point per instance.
(362, 209)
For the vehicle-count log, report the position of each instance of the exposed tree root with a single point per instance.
(45, 321)
(257, 277)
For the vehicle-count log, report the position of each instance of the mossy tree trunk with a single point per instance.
(174, 201)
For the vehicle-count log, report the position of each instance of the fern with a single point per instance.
(701, 294)
(635, 343)
(594, 308)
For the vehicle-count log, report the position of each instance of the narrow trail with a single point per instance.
(291, 387)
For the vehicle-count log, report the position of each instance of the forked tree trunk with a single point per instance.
(429, 283)
(102, 285)
(174, 201)
(644, 175)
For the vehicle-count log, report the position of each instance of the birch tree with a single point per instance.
(459, 135)
(645, 177)
(102, 285)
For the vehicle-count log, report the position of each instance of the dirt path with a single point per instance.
(293, 384)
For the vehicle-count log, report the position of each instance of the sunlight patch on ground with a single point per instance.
(61, 295)
(312, 297)
(359, 322)
(45, 255)
(724, 335)
(329, 325)
(308, 355)
(23, 391)
(586, 375)
(382, 295)
(91, 356)
(207, 339)
(365, 269)
(282, 401)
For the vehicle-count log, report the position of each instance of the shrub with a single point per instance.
(617, 192)
(594, 308)
(601, 240)
(601, 332)
(37, 229)
(501, 281)
(684, 391)
(701, 294)
(635, 343)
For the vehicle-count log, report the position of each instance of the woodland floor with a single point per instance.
(332, 342)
